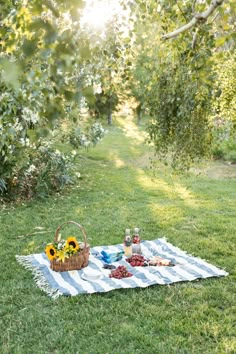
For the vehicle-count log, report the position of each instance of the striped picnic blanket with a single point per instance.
(187, 268)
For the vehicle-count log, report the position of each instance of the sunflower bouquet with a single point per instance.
(62, 249)
(68, 254)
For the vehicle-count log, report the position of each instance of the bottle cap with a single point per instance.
(136, 230)
(127, 231)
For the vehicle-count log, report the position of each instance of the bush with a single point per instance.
(29, 166)
(224, 140)
(44, 171)
(225, 150)
(91, 137)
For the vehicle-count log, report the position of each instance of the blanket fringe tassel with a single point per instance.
(25, 261)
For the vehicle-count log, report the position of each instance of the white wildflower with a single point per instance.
(30, 116)
(27, 142)
(32, 168)
(61, 244)
(22, 141)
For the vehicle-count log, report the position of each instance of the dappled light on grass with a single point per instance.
(131, 130)
(118, 162)
(173, 191)
(168, 215)
(228, 344)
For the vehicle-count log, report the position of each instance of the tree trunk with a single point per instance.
(139, 113)
(109, 118)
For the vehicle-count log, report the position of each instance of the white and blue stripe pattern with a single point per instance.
(187, 268)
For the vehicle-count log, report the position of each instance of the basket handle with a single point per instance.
(71, 222)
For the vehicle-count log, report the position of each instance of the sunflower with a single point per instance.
(50, 251)
(72, 243)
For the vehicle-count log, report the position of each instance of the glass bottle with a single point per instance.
(127, 244)
(136, 247)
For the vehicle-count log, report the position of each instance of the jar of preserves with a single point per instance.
(136, 246)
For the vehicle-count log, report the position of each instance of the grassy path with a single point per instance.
(116, 191)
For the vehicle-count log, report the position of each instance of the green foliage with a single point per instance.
(51, 67)
(21, 148)
(106, 70)
(179, 102)
(225, 150)
(230, 151)
(105, 103)
(174, 84)
(224, 103)
(90, 137)
(43, 171)
(175, 81)
(223, 116)
(44, 70)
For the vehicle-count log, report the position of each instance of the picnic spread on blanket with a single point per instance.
(70, 267)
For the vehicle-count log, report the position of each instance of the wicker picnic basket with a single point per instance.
(78, 260)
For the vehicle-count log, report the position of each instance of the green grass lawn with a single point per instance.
(117, 190)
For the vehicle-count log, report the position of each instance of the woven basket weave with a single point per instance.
(78, 260)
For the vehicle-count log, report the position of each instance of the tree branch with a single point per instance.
(194, 41)
(198, 18)
(216, 15)
(193, 6)
(181, 10)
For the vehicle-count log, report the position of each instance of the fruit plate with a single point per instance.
(137, 260)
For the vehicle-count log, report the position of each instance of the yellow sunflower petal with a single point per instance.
(50, 252)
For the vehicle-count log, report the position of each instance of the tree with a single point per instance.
(179, 76)
(105, 104)
(107, 69)
(43, 56)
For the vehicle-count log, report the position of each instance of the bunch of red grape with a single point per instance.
(137, 260)
(120, 272)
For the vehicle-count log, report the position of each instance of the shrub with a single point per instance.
(44, 171)
(224, 140)
(77, 138)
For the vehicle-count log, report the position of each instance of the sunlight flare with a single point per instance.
(98, 13)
